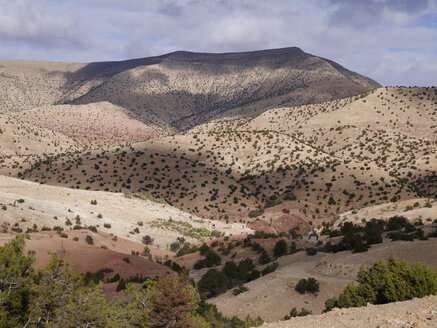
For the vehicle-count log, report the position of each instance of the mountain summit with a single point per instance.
(182, 89)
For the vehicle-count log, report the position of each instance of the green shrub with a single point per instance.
(269, 269)
(213, 283)
(121, 285)
(386, 282)
(264, 258)
(396, 223)
(89, 240)
(310, 285)
(239, 290)
(311, 251)
(373, 232)
(280, 248)
(211, 259)
(256, 213)
(293, 313)
(203, 249)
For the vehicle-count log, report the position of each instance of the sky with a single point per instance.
(392, 41)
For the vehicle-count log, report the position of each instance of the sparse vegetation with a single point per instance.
(386, 282)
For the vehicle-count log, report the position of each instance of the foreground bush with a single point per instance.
(56, 297)
(386, 282)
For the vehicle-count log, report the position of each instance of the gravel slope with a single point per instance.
(414, 313)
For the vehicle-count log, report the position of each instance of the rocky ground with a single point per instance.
(414, 313)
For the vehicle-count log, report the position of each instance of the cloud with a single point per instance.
(360, 35)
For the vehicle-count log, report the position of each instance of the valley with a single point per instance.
(249, 171)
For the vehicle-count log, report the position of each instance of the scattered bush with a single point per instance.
(310, 285)
(147, 240)
(239, 290)
(293, 313)
(89, 240)
(280, 248)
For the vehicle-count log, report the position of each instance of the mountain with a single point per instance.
(300, 164)
(183, 89)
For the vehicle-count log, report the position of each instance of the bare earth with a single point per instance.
(273, 296)
(415, 313)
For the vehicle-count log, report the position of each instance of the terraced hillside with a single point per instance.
(306, 163)
(182, 89)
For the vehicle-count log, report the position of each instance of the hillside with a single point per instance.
(415, 313)
(27, 206)
(182, 89)
(280, 161)
(274, 295)
(94, 125)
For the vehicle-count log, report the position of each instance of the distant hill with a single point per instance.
(183, 89)
(313, 161)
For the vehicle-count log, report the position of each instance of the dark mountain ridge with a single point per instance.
(183, 89)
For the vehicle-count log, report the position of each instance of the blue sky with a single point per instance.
(391, 41)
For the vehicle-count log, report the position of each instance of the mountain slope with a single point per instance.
(183, 89)
(227, 168)
(419, 312)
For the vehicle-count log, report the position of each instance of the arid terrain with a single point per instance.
(420, 312)
(130, 167)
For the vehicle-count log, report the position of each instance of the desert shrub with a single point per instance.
(293, 248)
(89, 240)
(211, 259)
(174, 247)
(373, 232)
(257, 212)
(147, 240)
(186, 249)
(396, 223)
(213, 283)
(272, 202)
(230, 276)
(310, 285)
(311, 251)
(334, 233)
(353, 242)
(115, 278)
(239, 290)
(280, 248)
(121, 285)
(386, 282)
(293, 313)
(264, 258)
(269, 269)
(203, 249)
(95, 277)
